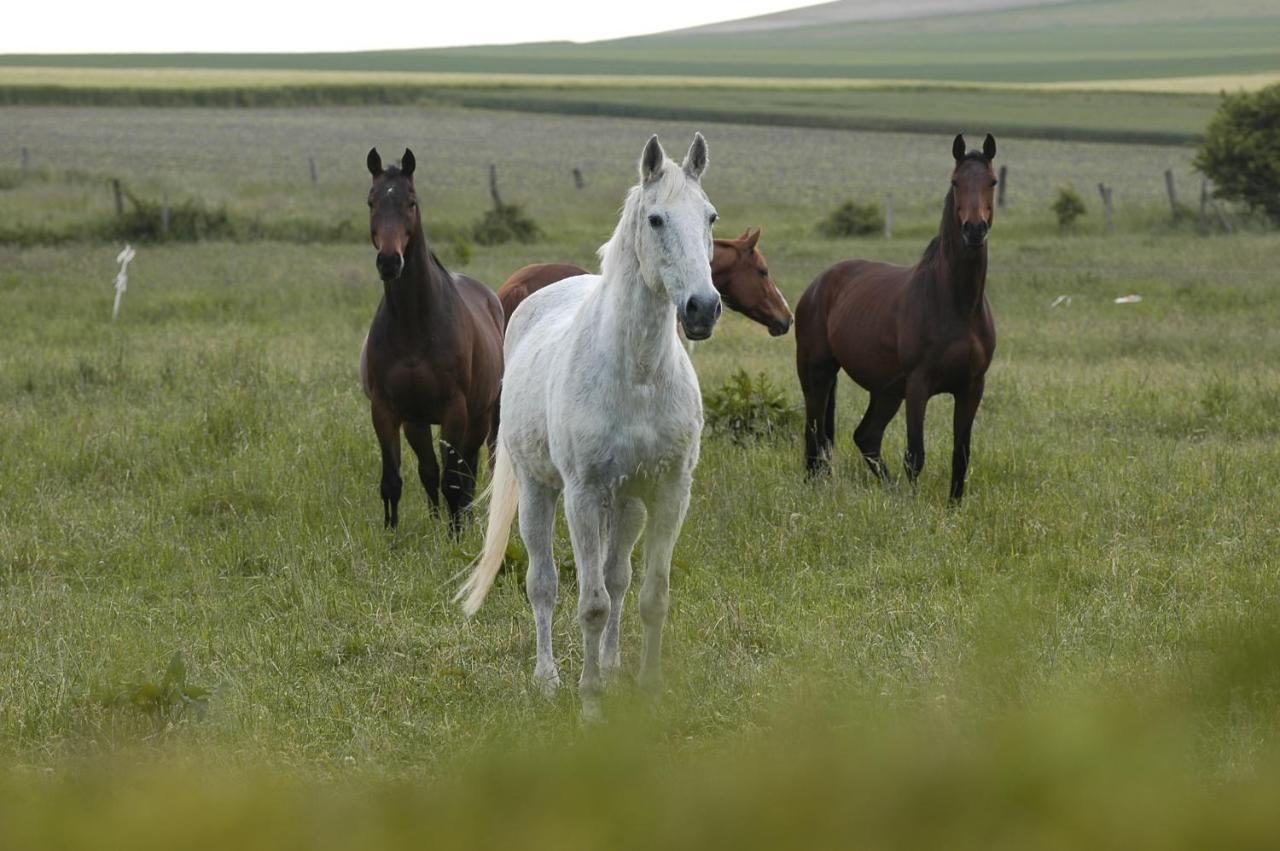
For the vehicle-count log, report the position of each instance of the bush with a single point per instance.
(1068, 206)
(1241, 150)
(745, 409)
(852, 219)
(504, 223)
(188, 221)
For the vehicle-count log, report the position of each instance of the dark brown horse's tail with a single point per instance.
(504, 496)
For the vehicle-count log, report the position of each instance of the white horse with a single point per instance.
(600, 401)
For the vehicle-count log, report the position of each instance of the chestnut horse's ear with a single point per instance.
(958, 150)
(652, 160)
(753, 237)
(989, 147)
(374, 162)
(695, 162)
(408, 163)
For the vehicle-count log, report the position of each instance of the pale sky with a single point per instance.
(152, 26)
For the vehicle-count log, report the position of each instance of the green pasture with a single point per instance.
(1083, 654)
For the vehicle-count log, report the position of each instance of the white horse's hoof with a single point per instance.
(547, 682)
(591, 711)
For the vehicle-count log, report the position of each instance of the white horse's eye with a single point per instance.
(713, 218)
(655, 221)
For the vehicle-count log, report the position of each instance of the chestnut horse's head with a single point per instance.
(973, 185)
(393, 212)
(741, 274)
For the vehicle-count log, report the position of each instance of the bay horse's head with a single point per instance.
(672, 217)
(973, 186)
(741, 274)
(393, 212)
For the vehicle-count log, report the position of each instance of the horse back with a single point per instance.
(529, 279)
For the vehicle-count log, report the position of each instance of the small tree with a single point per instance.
(1068, 206)
(1241, 150)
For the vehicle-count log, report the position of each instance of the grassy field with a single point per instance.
(1084, 654)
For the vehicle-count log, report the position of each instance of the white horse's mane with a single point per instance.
(671, 182)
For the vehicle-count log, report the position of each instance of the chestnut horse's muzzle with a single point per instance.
(974, 233)
(390, 265)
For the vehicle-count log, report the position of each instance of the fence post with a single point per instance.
(1004, 180)
(493, 186)
(1204, 205)
(315, 177)
(164, 216)
(888, 217)
(578, 182)
(115, 191)
(1105, 192)
(26, 159)
(1173, 195)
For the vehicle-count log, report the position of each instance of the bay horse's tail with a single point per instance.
(504, 496)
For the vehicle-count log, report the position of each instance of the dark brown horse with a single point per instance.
(433, 354)
(905, 332)
(738, 270)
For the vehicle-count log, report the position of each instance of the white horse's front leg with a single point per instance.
(537, 529)
(666, 514)
(590, 511)
(617, 577)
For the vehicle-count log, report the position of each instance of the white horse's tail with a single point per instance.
(504, 497)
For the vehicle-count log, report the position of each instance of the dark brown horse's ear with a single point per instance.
(652, 160)
(753, 237)
(374, 162)
(958, 150)
(989, 147)
(408, 163)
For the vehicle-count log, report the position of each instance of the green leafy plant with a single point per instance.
(189, 221)
(744, 409)
(171, 698)
(504, 223)
(1241, 150)
(852, 219)
(1067, 206)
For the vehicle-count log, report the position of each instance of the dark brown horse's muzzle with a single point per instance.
(974, 233)
(390, 265)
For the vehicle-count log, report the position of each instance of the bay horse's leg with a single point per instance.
(818, 382)
(617, 578)
(666, 515)
(419, 435)
(537, 530)
(387, 426)
(592, 511)
(917, 401)
(460, 443)
(869, 435)
(966, 409)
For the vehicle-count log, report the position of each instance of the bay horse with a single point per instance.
(905, 332)
(601, 402)
(739, 272)
(433, 354)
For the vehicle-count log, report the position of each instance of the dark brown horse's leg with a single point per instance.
(419, 435)
(818, 381)
(387, 426)
(966, 409)
(869, 435)
(460, 444)
(917, 401)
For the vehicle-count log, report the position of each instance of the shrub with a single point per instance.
(852, 219)
(188, 221)
(745, 408)
(1241, 150)
(505, 222)
(1068, 206)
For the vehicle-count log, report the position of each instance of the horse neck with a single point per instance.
(960, 272)
(640, 320)
(423, 291)
(723, 260)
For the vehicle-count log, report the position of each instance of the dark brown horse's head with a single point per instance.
(393, 212)
(973, 185)
(741, 274)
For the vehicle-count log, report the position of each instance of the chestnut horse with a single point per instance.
(738, 271)
(433, 354)
(905, 332)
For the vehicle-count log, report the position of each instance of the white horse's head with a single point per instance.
(670, 220)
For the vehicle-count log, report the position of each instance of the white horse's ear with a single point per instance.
(695, 162)
(652, 160)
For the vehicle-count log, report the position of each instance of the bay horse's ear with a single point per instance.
(652, 160)
(989, 147)
(374, 162)
(695, 162)
(753, 237)
(408, 163)
(958, 150)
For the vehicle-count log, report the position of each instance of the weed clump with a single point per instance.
(852, 219)
(504, 223)
(746, 408)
